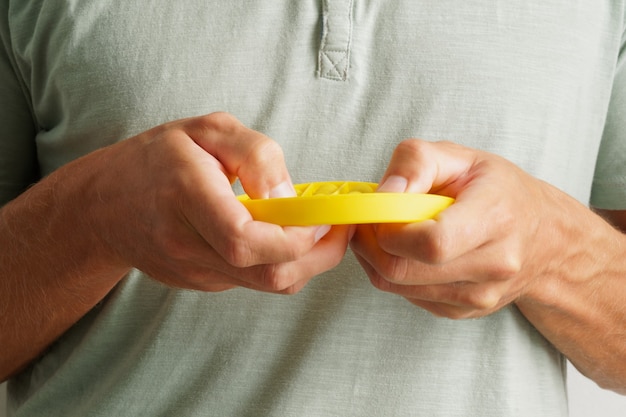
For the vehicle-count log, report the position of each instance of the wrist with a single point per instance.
(573, 303)
(68, 212)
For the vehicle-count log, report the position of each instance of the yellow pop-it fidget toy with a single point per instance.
(345, 202)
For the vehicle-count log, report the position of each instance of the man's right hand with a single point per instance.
(168, 209)
(161, 202)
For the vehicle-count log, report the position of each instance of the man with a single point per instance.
(118, 260)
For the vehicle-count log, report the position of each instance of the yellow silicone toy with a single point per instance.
(345, 202)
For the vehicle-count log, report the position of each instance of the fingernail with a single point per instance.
(321, 232)
(394, 184)
(284, 189)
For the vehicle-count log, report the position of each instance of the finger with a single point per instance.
(454, 300)
(243, 242)
(206, 270)
(418, 166)
(249, 155)
(497, 262)
(467, 296)
(259, 163)
(462, 228)
(393, 268)
(424, 167)
(479, 215)
(449, 311)
(211, 210)
(290, 277)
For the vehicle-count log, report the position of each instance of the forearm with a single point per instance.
(161, 202)
(581, 310)
(53, 265)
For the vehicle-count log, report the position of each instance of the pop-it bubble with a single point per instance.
(345, 202)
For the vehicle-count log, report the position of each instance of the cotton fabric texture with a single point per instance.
(338, 84)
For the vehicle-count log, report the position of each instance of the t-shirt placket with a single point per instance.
(334, 54)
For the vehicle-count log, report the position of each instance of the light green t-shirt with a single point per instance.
(338, 84)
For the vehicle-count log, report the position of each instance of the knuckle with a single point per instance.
(220, 121)
(412, 147)
(264, 151)
(444, 310)
(505, 218)
(456, 314)
(275, 278)
(291, 290)
(291, 249)
(481, 298)
(435, 248)
(380, 283)
(395, 269)
(237, 252)
(508, 267)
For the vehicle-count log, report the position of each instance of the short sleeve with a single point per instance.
(609, 186)
(18, 160)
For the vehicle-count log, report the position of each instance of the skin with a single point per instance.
(512, 238)
(194, 234)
